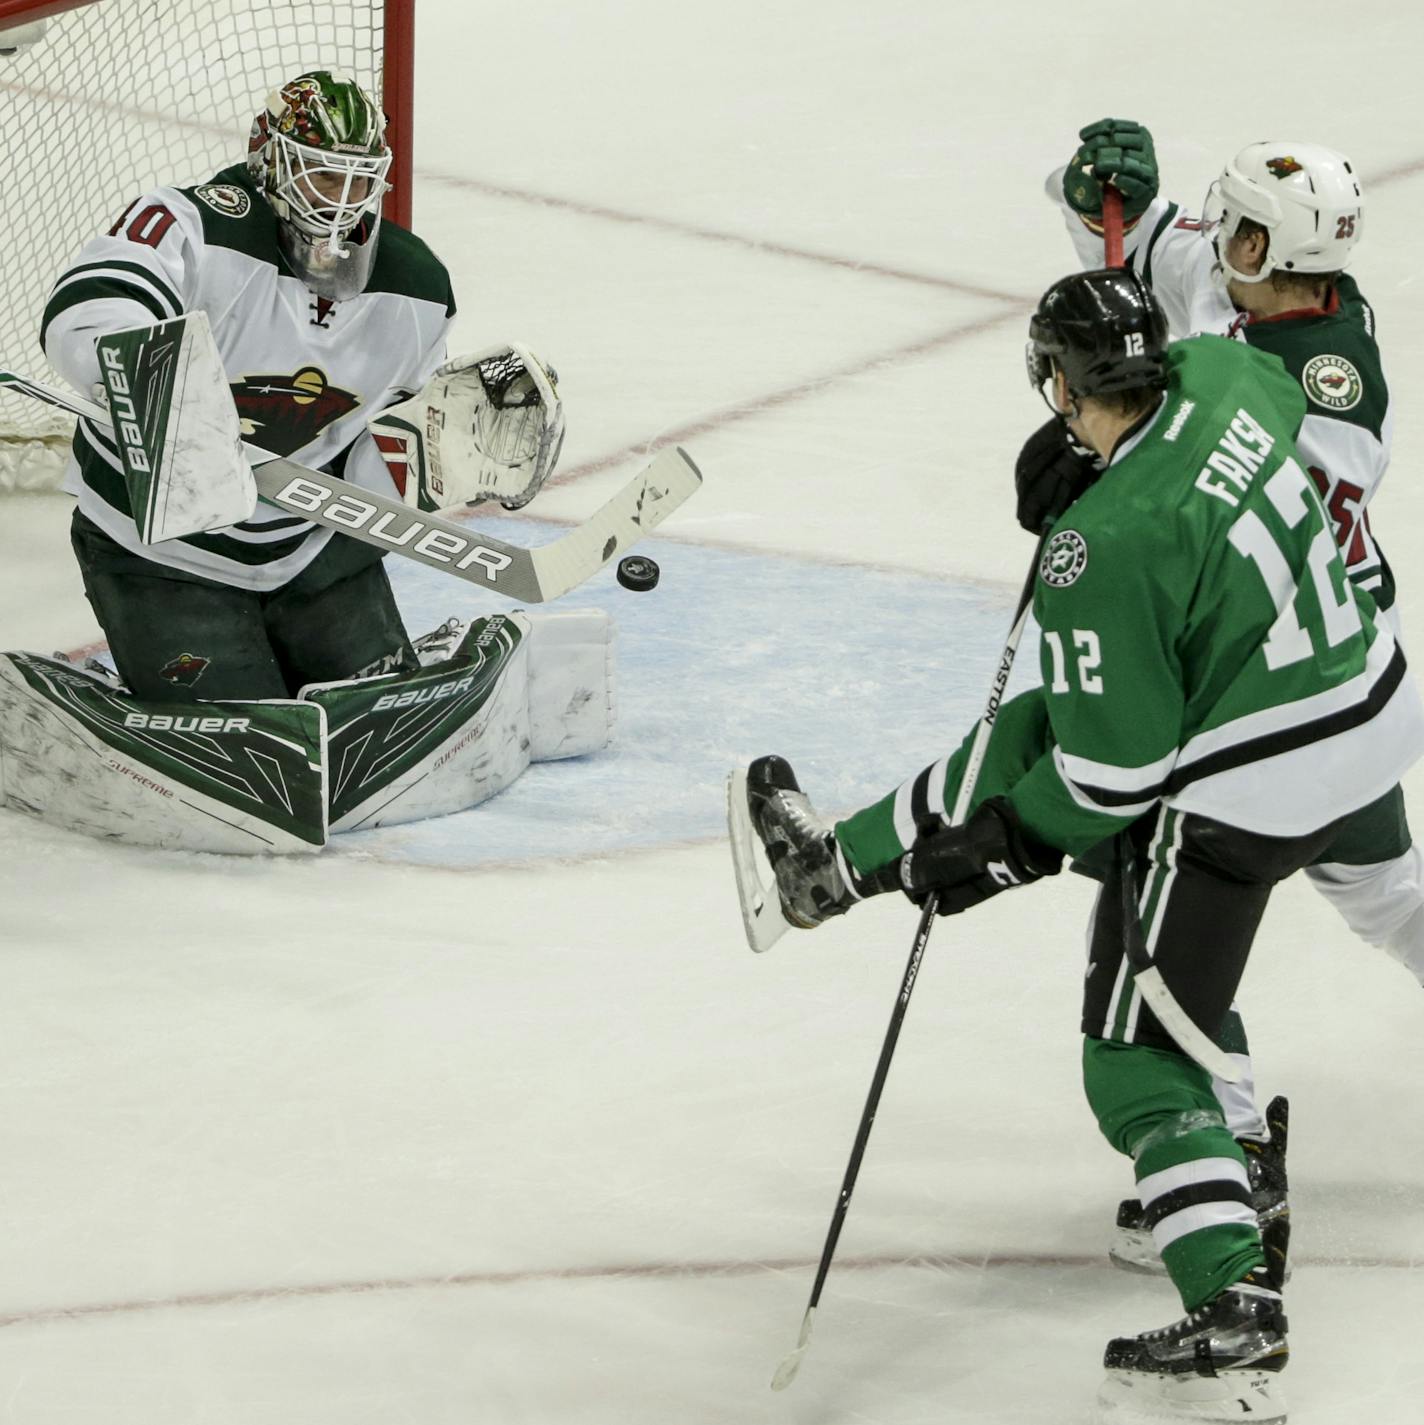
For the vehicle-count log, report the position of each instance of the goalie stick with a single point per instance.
(527, 575)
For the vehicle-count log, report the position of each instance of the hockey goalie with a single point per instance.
(267, 692)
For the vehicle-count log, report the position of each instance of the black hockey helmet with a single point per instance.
(1103, 330)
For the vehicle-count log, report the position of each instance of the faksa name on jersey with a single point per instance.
(304, 375)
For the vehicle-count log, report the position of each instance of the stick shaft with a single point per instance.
(1112, 227)
(972, 768)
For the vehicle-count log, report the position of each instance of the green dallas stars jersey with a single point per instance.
(305, 372)
(1201, 645)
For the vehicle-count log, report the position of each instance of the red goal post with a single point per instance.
(108, 98)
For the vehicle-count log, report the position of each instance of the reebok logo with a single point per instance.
(1179, 420)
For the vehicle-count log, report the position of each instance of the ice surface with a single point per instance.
(496, 1119)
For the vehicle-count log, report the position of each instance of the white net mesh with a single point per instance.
(116, 97)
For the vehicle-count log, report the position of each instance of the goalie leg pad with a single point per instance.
(236, 777)
(572, 705)
(408, 746)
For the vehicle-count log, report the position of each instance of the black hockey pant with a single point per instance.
(175, 637)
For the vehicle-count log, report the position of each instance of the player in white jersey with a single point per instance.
(323, 314)
(1264, 264)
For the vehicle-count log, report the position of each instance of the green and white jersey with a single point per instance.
(305, 372)
(1201, 644)
(1348, 426)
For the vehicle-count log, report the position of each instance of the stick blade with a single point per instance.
(761, 906)
(666, 483)
(786, 1371)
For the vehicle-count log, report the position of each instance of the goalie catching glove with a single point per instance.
(486, 427)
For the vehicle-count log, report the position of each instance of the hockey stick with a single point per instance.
(1112, 227)
(786, 1371)
(527, 575)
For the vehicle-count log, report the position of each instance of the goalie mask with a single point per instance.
(1306, 197)
(318, 154)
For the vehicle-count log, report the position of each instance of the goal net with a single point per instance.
(103, 99)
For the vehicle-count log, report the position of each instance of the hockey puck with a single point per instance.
(636, 572)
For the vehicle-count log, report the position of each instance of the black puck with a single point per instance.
(636, 572)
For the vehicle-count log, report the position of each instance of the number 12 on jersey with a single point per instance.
(1289, 641)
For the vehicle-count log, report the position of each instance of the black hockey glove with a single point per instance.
(1051, 472)
(967, 864)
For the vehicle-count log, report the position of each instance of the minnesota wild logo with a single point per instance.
(1333, 382)
(1065, 558)
(284, 412)
(185, 669)
(1283, 167)
(225, 198)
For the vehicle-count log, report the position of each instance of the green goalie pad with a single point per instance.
(414, 745)
(237, 777)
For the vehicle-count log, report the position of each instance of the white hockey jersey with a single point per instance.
(305, 372)
(1349, 422)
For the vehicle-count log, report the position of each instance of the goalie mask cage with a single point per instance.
(107, 98)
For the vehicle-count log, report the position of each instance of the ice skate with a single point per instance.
(1133, 1248)
(1220, 1362)
(766, 804)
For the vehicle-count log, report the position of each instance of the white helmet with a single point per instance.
(1307, 198)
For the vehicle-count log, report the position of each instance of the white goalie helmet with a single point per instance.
(318, 153)
(1305, 195)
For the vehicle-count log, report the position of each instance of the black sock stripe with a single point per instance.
(1193, 1195)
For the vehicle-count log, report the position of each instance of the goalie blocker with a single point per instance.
(80, 752)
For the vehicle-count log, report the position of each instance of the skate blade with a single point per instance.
(1127, 1397)
(1136, 1252)
(761, 906)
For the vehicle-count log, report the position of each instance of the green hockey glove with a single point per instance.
(967, 864)
(1115, 151)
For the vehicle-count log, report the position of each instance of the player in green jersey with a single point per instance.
(1265, 264)
(1219, 697)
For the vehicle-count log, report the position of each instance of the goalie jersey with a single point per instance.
(1348, 426)
(305, 372)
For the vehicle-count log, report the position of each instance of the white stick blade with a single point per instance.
(636, 510)
(1173, 1018)
(761, 906)
(786, 1371)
